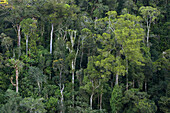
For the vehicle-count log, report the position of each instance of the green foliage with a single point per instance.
(37, 76)
(52, 104)
(138, 101)
(149, 12)
(95, 42)
(12, 102)
(164, 104)
(116, 99)
(33, 105)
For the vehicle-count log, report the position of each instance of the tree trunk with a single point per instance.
(17, 74)
(91, 100)
(148, 37)
(62, 99)
(73, 69)
(51, 40)
(145, 85)
(133, 83)
(117, 79)
(26, 44)
(39, 86)
(101, 101)
(19, 35)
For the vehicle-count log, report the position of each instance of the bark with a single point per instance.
(39, 86)
(26, 44)
(19, 35)
(148, 37)
(91, 100)
(17, 73)
(12, 82)
(148, 30)
(133, 83)
(73, 69)
(51, 40)
(117, 79)
(101, 95)
(62, 98)
(61, 92)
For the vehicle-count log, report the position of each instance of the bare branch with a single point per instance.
(12, 82)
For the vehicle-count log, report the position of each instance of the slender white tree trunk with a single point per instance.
(91, 100)
(17, 74)
(39, 87)
(51, 40)
(26, 44)
(148, 37)
(101, 95)
(19, 35)
(117, 79)
(62, 98)
(73, 69)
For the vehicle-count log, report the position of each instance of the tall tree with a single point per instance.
(17, 65)
(149, 14)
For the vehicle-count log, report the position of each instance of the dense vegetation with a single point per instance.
(86, 56)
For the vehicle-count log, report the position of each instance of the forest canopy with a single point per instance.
(84, 56)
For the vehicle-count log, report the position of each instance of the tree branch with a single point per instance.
(12, 82)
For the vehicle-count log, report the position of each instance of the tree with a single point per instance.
(73, 53)
(56, 12)
(116, 99)
(136, 101)
(33, 105)
(60, 67)
(28, 27)
(18, 65)
(12, 102)
(126, 41)
(91, 80)
(6, 42)
(37, 75)
(149, 14)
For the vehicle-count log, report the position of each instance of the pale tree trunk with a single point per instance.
(61, 92)
(148, 36)
(51, 40)
(26, 44)
(101, 95)
(91, 100)
(62, 98)
(117, 79)
(39, 87)
(19, 35)
(93, 92)
(148, 30)
(17, 74)
(73, 69)
(133, 83)
(73, 63)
